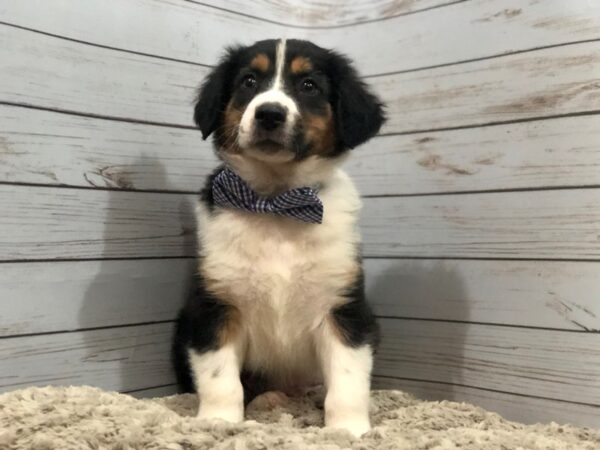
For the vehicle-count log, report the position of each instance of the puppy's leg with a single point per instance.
(209, 330)
(216, 375)
(345, 344)
(347, 377)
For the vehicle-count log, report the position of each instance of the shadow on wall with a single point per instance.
(416, 352)
(126, 293)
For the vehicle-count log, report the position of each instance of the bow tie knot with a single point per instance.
(231, 191)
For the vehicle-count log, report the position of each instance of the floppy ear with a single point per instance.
(215, 92)
(359, 113)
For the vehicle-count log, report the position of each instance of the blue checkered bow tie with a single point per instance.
(230, 191)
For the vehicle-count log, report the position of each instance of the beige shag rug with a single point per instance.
(80, 418)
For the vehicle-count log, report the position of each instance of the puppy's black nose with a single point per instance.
(270, 116)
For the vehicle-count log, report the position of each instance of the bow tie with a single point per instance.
(231, 191)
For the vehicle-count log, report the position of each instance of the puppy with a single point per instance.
(279, 301)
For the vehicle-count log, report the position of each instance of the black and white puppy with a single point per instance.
(279, 302)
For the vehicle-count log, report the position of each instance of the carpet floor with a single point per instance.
(54, 418)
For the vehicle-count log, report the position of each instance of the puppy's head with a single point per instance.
(284, 101)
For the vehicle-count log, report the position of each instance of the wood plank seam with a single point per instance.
(399, 257)
(107, 47)
(398, 133)
(107, 327)
(325, 27)
(582, 328)
(495, 123)
(482, 58)
(98, 116)
(368, 76)
(366, 196)
(129, 391)
(466, 322)
(446, 383)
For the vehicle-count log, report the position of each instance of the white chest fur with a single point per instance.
(282, 275)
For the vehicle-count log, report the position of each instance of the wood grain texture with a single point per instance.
(547, 294)
(70, 295)
(328, 14)
(546, 153)
(82, 78)
(194, 32)
(59, 296)
(71, 76)
(463, 31)
(81, 151)
(119, 359)
(162, 391)
(543, 363)
(537, 224)
(49, 223)
(63, 149)
(548, 82)
(518, 408)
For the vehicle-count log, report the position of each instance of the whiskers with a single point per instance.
(228, 137)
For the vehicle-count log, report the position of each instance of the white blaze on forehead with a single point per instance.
(279, 63)
(275, 94)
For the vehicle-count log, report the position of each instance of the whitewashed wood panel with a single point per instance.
(463, 31)
(175, 29)
(194, 32)
(547, 294)
(47, 223)
(81, 78)
(67, 295)
(119, 359)
(64, 149)
(162, 391)
(43, 297)
(325, 14)
(55, 73)
(543, 363)
(537, 84)
(519, 408)
(81, 151)
(546, 153)
(537, 224)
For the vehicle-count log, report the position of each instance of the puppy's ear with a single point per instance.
(215, 92)
(359, 113)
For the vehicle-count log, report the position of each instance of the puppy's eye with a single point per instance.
(308, 86)
(249, 81)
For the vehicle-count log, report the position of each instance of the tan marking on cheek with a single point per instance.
(231, 122)
(301, 64)
(260, 62)
(320, 132)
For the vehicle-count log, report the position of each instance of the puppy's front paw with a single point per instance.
(355, 425)
(228, 413)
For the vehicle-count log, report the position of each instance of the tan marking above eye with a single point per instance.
(301, 64)
(260, 62)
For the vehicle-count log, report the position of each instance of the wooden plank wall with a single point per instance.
(482, 192)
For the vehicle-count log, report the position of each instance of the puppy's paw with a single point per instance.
(268, 401)
(356, 426)
(228, 413)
